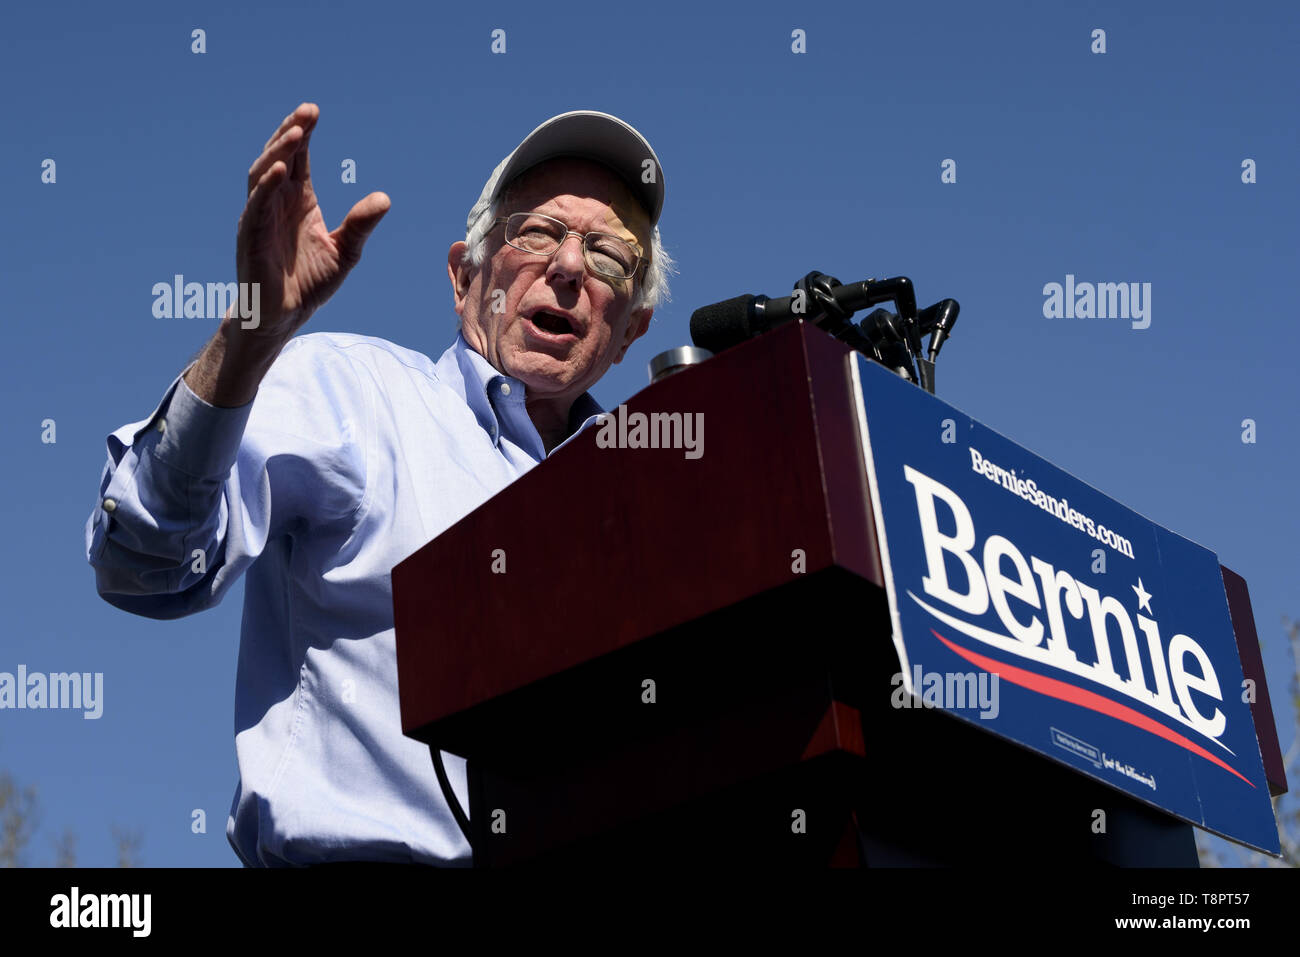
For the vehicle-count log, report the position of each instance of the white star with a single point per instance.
(1144, 600)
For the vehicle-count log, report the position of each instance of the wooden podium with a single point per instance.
(649, 659)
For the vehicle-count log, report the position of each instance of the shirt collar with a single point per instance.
(476, 381)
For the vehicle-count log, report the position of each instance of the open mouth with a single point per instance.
(556, 325)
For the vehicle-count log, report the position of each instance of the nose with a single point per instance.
(568, 262)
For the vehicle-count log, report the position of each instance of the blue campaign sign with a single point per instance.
(1032, 605)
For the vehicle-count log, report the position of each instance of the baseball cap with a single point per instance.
(587, 134)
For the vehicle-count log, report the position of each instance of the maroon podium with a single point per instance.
(649, 658)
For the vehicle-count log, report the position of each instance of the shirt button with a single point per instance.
(162, 425)
(505, 388)
(110, 505)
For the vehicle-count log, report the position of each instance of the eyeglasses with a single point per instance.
(604, 253)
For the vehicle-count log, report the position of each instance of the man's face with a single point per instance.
(499, 302)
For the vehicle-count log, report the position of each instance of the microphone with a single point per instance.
(892, 340)
(943, 316)
(724, 324)
(887, 334)
(720, 326)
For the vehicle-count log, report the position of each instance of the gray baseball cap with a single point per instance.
(586, 134)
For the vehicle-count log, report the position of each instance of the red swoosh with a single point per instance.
(1085, 699)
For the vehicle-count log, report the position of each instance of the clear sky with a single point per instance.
(1122, 166)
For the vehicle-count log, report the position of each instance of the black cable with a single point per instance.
(450, 796)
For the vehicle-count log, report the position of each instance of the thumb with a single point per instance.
(357, 227)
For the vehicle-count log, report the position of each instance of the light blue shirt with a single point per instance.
(354, 454)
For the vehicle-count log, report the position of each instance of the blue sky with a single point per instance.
(1117, 167)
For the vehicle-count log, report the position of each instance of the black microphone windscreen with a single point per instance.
(721, 325)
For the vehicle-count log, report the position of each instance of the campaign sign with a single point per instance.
(1031, 605)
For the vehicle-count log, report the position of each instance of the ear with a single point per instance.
(637, 326)
(460, 273)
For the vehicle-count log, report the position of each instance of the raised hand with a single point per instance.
(284, 247)
(283, 244)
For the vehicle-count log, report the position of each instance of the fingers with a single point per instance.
(282, 151)
(305, 115)
(357, 226)
(259, 199)
(289, 144)
(300, 167)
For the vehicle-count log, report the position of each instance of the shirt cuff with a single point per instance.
(199, 439)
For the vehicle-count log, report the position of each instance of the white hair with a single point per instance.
(650, 291)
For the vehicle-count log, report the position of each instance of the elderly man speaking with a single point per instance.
(317, 463)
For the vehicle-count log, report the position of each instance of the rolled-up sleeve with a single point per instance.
(189, 496)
